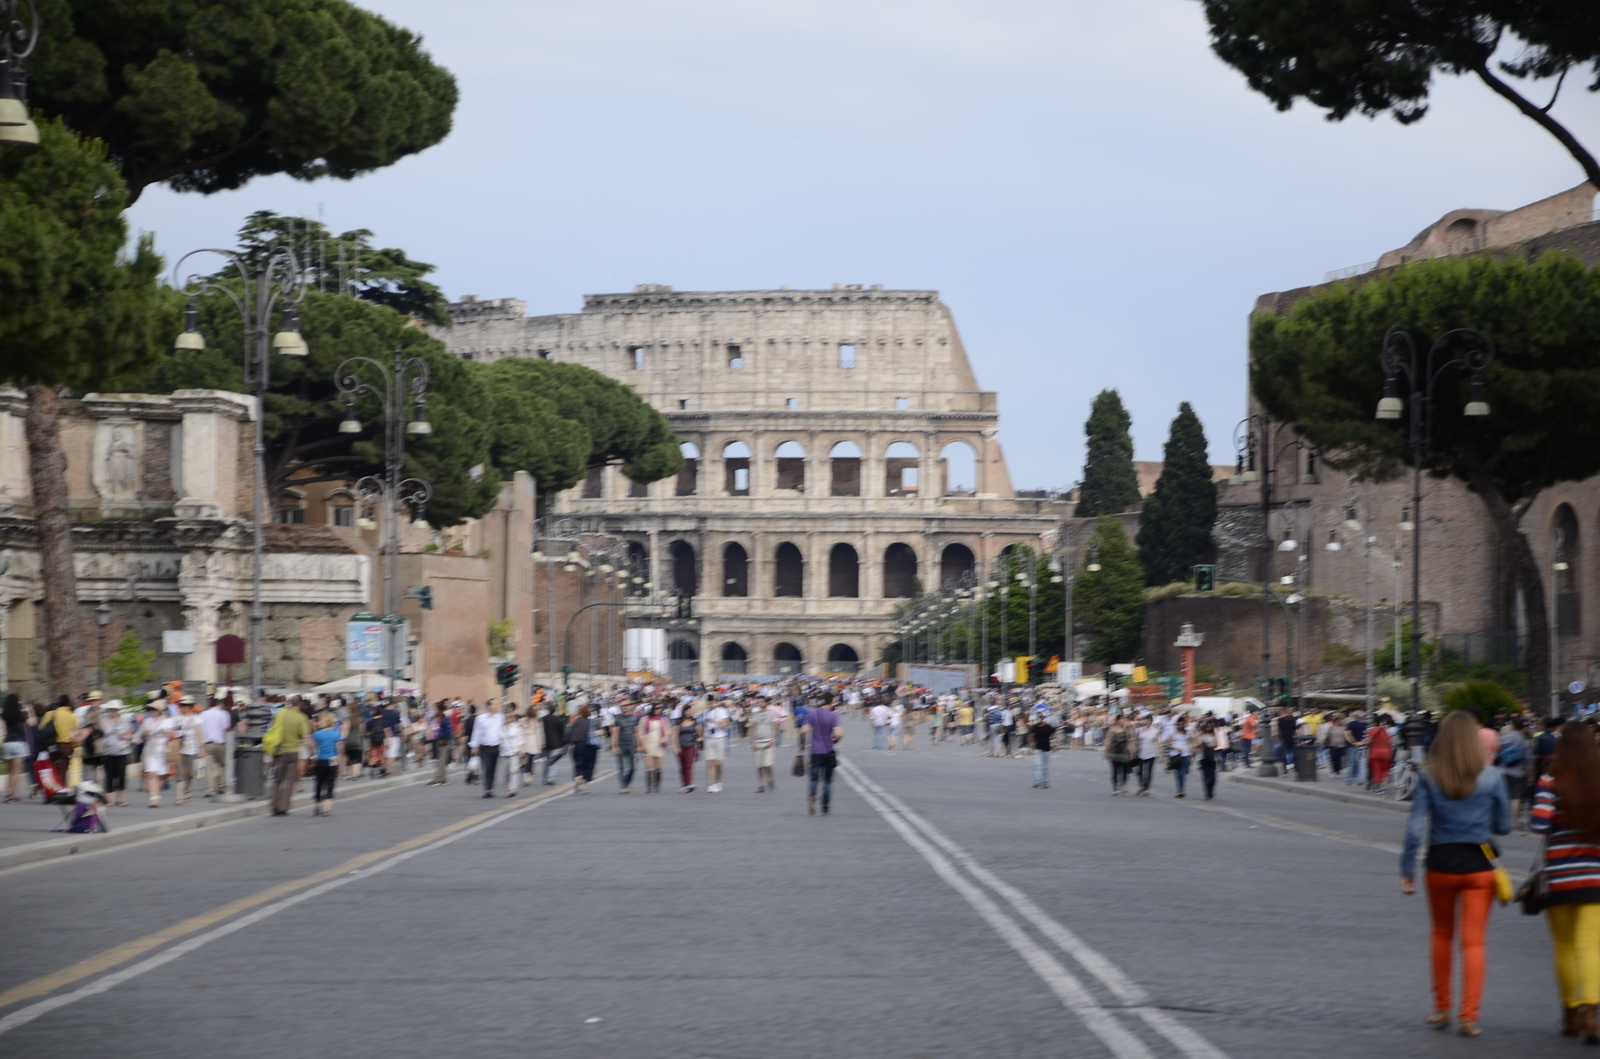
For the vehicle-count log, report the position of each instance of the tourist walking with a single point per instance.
(1180, 754)
(1041, 734)
(1119, 751)
(326, 752)
(214, 724)
(1207, 746)
(15, 746)
(1148, 738)
(820, 735)
(688, 746)
(283, 742)
(155, 734)
(1566, 810)
(655, 734)
(114, 751)
(584, 751)
(763, 731)
(880, 715)
(555, 743)
(624, 745)
(441, 733)
(1459, 805)
(485, 743)
(714, 733)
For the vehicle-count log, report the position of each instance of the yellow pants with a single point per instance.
(1575, 931)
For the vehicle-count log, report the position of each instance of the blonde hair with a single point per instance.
(1457, 756)
(326, 720)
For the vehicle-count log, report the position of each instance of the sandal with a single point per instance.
(1439, 1020)
(1469, 1029)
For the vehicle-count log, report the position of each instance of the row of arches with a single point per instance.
(902, 464)
(900, 569)
(786, 658)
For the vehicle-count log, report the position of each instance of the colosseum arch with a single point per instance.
(844, 572)
(788, 574)
(791, 466)
(902, 463)
(899, 571)
(735, 570)
(844, 467)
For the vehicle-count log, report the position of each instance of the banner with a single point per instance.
(365, 644)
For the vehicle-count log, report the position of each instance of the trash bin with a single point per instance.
(1305, 758)
(250, 773)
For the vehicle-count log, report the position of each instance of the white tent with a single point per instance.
(1089, 688)
(362, 682)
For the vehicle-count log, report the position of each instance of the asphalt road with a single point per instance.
(945, 908)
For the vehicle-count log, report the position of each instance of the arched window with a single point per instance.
(899, 572)
(682, 659)
(842, 658)
(1566, 545)
(955, 564)
(791, 466)
(684, 575)
(735, 570)
(689, 474)
(736, 468)
(639, 563)
(788, 571)
(734, 659)
(900, 466)
(844, 572)
(959, 463)
(786, 659)
(844, 461)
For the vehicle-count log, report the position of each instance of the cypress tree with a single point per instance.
(1108, 603)
(1175, 525)
(1110, 485)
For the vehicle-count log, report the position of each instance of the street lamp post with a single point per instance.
(395, 383)
(1421, 374)
(19, 33)
(277, 283)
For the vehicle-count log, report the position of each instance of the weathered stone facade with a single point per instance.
(840, 450)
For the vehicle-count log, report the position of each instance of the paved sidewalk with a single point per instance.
(1326, 785)
(25, 835)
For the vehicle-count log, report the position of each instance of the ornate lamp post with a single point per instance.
(395, 383)
(19, 33)
(277, 284)
(1400, 356)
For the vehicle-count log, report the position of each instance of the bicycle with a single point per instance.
(1401, 783)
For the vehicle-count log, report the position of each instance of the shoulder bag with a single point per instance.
(1535, 893)
(1502, 880)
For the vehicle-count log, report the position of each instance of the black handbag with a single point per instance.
(799, 765)
(1535, 893)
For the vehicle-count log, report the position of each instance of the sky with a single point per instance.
(1096, 196)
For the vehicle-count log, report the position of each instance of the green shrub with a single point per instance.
(1485, 696)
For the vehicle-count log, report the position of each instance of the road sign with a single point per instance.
(1576, 686)
(177, 642)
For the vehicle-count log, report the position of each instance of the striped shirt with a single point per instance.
(1573, 861)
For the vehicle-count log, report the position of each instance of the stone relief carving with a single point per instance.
(118, 455)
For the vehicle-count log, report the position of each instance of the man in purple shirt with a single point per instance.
(820, 734)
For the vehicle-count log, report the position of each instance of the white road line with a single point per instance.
(1129, 993)
(1066, 986)
(23, 1016)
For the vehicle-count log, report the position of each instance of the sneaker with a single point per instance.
(715, 788)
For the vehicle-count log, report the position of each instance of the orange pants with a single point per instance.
(1475, 895)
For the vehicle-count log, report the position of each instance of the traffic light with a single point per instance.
(1205, 578)
(423, 595)
(685, 607)
(505, 674)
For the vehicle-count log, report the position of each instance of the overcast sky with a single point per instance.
(1098, 199)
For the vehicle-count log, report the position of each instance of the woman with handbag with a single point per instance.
(1460, 803)
(688, 746)
(1566, 809)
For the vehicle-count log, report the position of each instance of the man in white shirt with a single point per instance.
(487, 731)
(188, 727)
(214, 725)
(764, 721)
(714, 730)
(1149, 740)
(880, 726)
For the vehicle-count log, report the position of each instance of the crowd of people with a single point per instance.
(1476, 778)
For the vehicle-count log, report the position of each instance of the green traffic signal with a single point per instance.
(1205, 578)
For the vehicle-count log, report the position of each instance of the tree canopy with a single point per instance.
(1317, 367)
(1108, 603)
(1110, 484)
(79, 306)
(1175, 523)
(206, 94)
(1372, 56)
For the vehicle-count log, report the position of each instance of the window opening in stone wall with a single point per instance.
(292, 515)
(735, 357)
(788, 571)
(681, 660)
(791, 403)
(1566, 545)
(847, 356)
(902, 403)
(344, 515)
(899, 572)
(639, 563)
(736, 468)
(735, 570)
(842, 658)
(844, 572)
(593, 482)
(786, 659)
(734, 659)
(636, 356)
(689, 473)
(955, 564)
(791, 466)
(958, 465)
(683, 406)
(638, 489)
(684, 575)
(900, 467)
(542, 354)
(844, 461)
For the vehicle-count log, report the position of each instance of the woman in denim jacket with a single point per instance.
(1459, 805)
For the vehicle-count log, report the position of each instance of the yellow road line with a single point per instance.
(128, 950)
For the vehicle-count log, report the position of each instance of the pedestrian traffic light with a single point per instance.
(505, 674)
(1205, 578)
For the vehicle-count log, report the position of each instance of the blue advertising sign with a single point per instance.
(364, 644)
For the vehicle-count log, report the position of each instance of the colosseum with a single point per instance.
(838, 452)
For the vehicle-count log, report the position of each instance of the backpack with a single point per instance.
(1119, 745)
(1510, 754)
